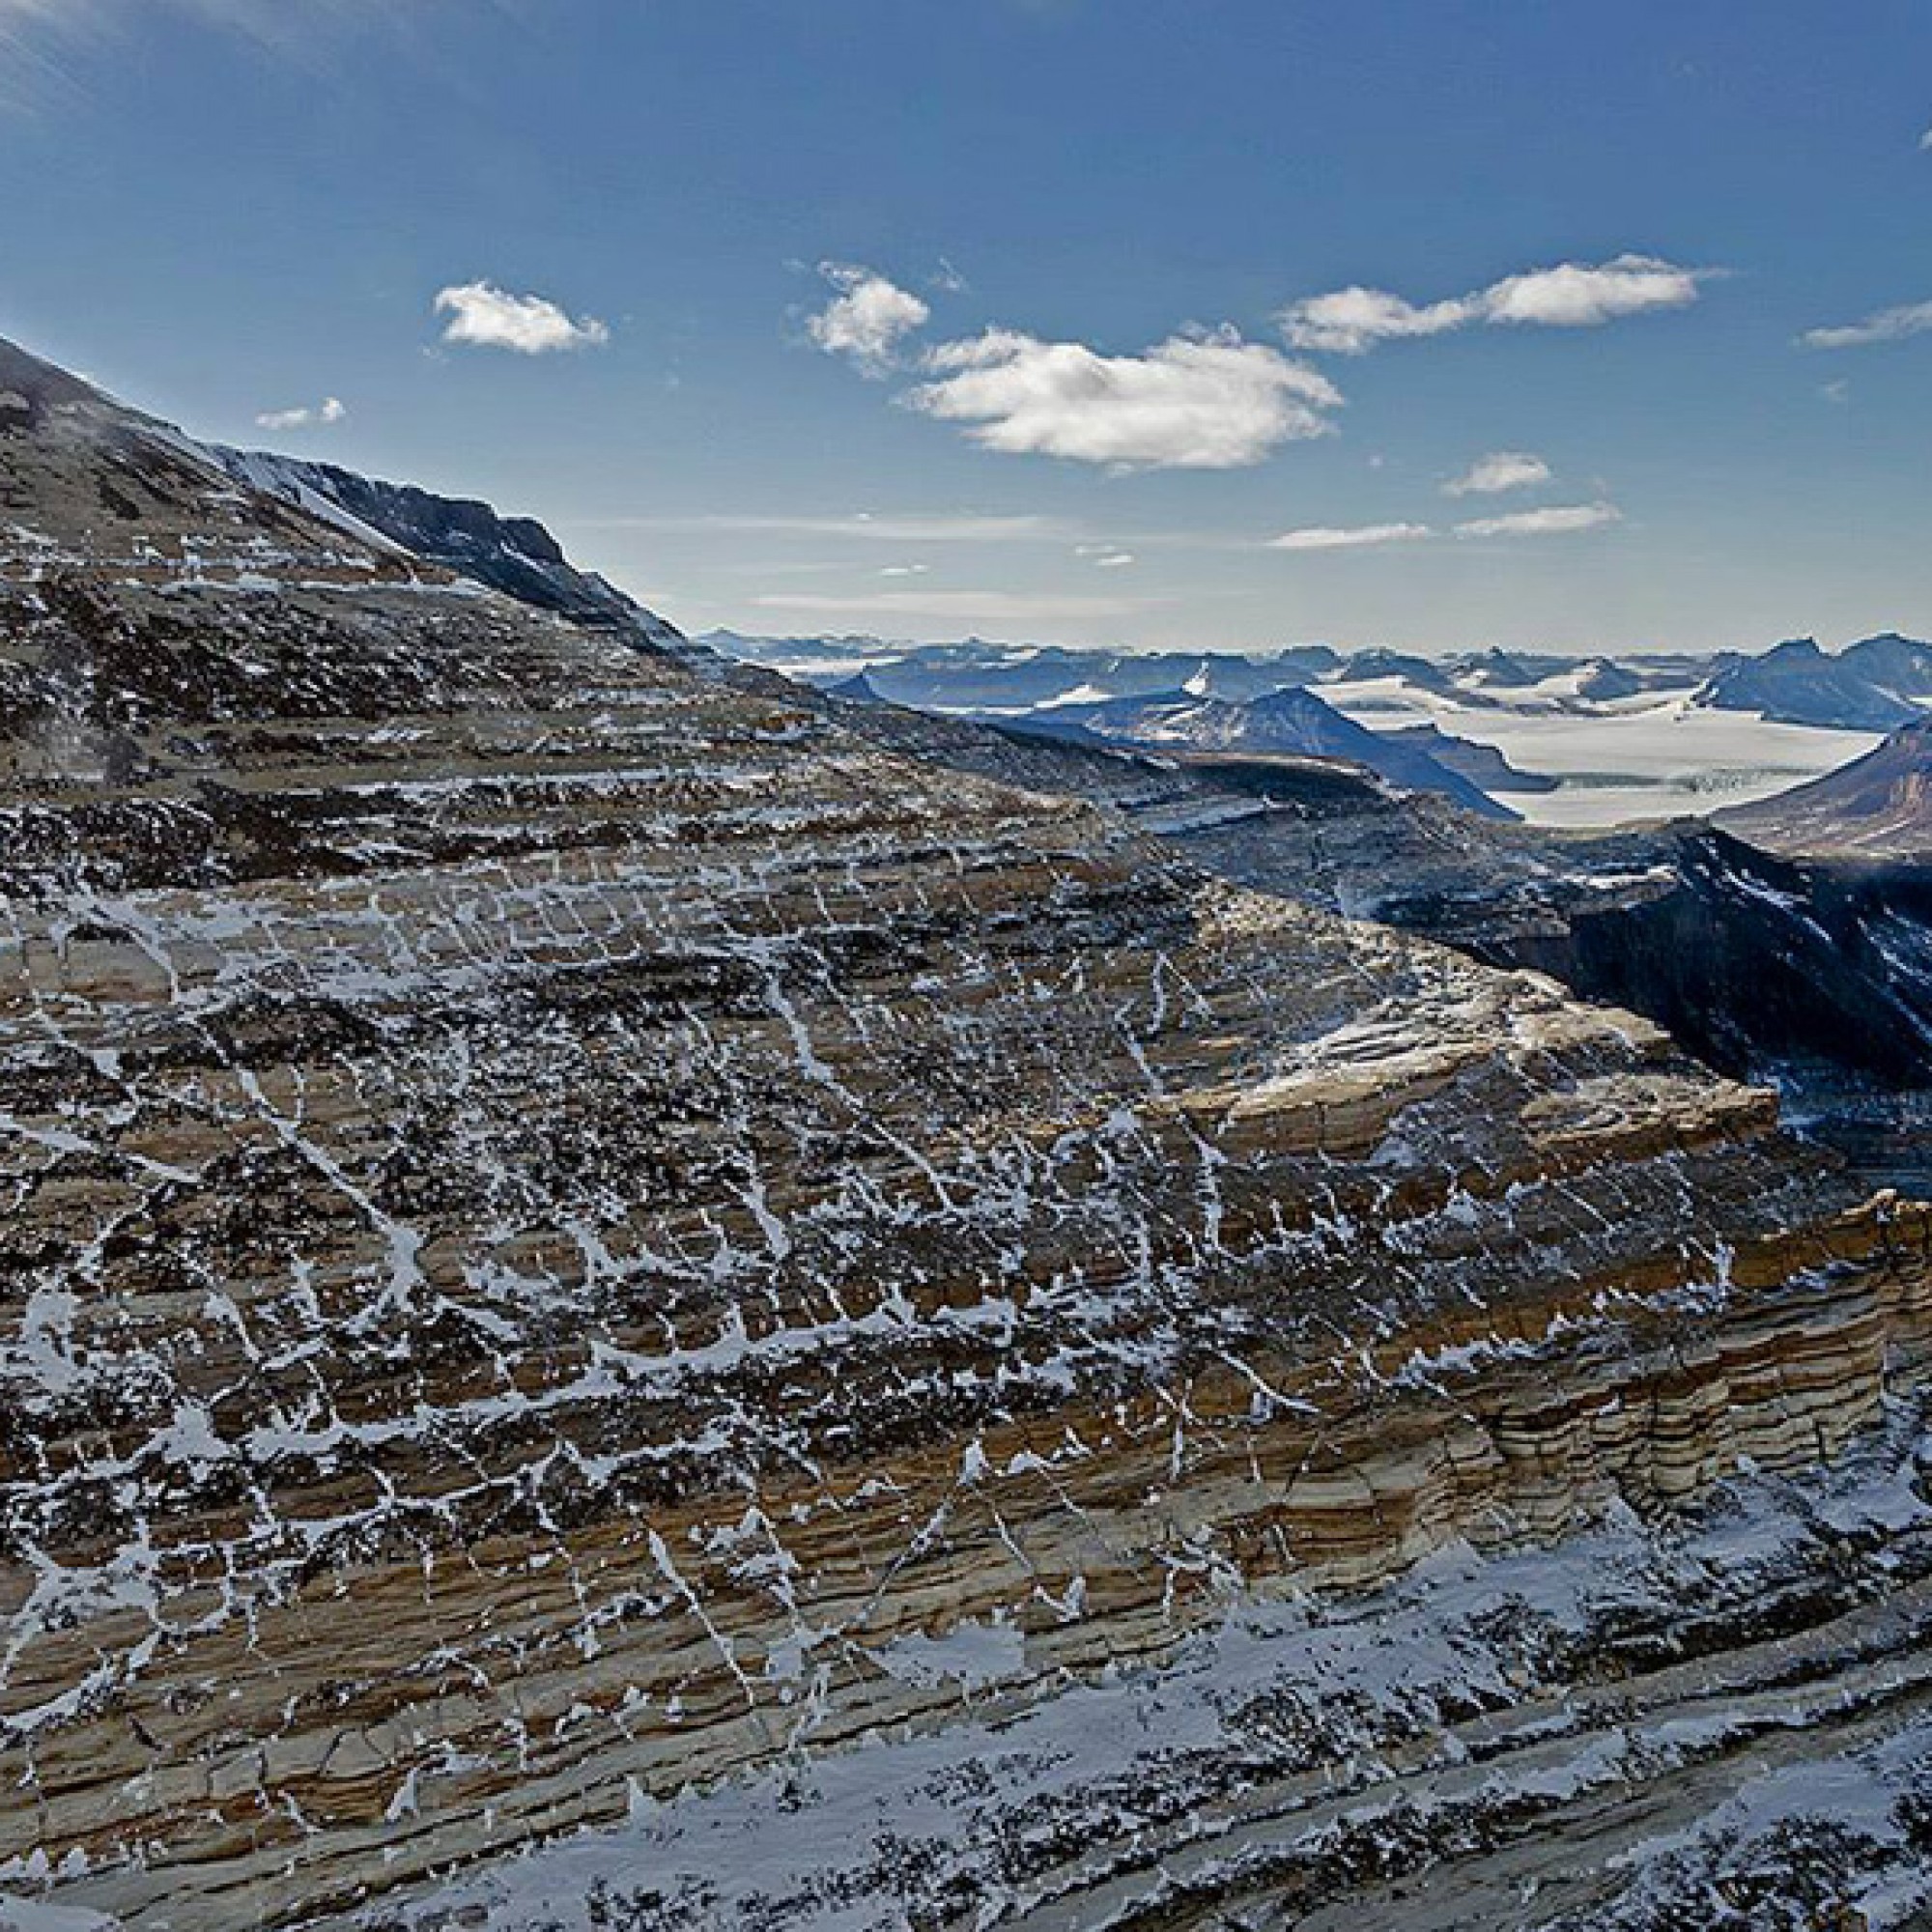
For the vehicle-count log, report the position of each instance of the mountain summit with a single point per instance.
(514, 555)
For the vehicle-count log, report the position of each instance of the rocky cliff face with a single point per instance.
(570, 1221)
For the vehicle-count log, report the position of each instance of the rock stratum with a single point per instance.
(576, 1225)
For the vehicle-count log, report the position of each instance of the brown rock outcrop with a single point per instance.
(558, 1204)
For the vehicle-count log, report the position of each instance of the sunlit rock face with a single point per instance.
(1876, 809)
(562, 1209)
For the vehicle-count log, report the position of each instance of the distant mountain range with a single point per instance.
(1295, 720)
(1874, 685)
(1618, 738)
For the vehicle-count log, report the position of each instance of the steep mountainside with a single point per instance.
(1815, 975)
(1877, 806)
(1874, 685)
(577, 1227)
(514, 555)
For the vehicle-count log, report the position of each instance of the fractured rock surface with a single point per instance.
(560, 1205)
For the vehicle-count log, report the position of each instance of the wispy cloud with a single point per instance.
(39, 38)
(1358, 536)
(330, 410)
(862, 527)
(269, 20)
(1558, 522)
(1888, 325)
(1206, 400)
(483, 316)
(867, 318)
(17, 15)
(1501, 470)
(970, 607)
(1572, 295)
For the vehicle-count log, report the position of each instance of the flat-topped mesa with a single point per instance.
(559, 1208)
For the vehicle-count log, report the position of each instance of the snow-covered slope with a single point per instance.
(1660, 1725)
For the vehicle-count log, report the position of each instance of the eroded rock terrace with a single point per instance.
(559, 1202)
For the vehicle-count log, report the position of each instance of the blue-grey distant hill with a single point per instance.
(1876, 685)
(1293, 720)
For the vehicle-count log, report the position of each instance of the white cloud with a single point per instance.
(1926, 142)
(483, 316)
(328, 410)
(1544, 522)
(905, 570)
(1351, 321)
(1116, 559)
(867, 318)
(1837, 391)
(1501, 470)
(1888, 325)
(1358, 536)
(1572, 295)
(1201, 401)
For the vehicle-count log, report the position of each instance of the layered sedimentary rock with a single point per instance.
(1717, 1716)
(1810, 971)
(562, 1209)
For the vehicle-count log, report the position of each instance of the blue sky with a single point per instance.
(1028, 316)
